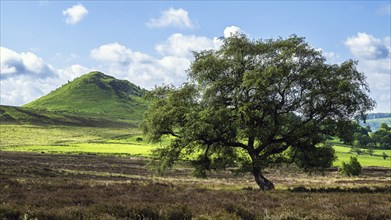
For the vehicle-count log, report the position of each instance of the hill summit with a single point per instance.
(98, 94)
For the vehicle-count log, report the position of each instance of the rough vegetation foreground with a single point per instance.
(90, 187)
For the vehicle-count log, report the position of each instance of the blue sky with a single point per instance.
(44, 44)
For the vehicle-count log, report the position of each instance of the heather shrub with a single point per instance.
(8, 212)
(240, 211)
(352, 168)
(179, 212)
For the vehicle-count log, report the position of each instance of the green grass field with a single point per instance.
(65, 139)
(130, 149)
(118, 141)
(343, 154)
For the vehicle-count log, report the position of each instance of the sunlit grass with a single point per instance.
(122, 142)
(344, 154)
(24, 135)
(91, 148)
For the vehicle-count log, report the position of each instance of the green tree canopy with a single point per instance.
(254, 103)
(382, 137)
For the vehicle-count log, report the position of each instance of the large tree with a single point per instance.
(253, 103)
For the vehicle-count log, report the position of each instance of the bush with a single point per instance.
(384, 155)
(356, 150)
(370, 151)
(353, 168)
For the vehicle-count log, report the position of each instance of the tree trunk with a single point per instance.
(263, 183)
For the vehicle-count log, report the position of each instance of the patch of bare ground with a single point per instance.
(44, 186)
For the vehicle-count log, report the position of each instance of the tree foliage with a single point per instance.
(360, 137)
(382, 137)
(256, 103)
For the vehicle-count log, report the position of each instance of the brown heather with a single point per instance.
(42, 186)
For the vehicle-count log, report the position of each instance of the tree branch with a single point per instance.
(226, 143)
(275, 150)
(170, 132)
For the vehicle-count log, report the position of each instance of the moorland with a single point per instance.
(74, 186)
(65, 164)
(87, 172)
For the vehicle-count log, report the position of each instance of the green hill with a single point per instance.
(95, 94)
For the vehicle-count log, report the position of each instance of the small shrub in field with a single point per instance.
(370, 151)
(353, 168)
(356, 150)
(384, 155)
(139, 139)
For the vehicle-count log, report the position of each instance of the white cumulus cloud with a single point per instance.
(24, 63)
(20, 90)
(366, 46)
(26, 77)
(72, 72)
(140, 68)
(112, 52)
(232, 31)
(146, 70)
(172, 18)
(183, 45)
(373, 55)
(178, 65)
(75, 14)
(331, 57)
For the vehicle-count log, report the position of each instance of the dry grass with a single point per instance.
(91, 187)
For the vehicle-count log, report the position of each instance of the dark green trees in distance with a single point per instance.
(360, 137)
(256, 103)
(382, 137)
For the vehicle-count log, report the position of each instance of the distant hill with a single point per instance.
(95, 94)
(375, 123)
(378, 115)
(374, 120)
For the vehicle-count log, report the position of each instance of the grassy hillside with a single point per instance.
(96, 93)
(21, 115)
